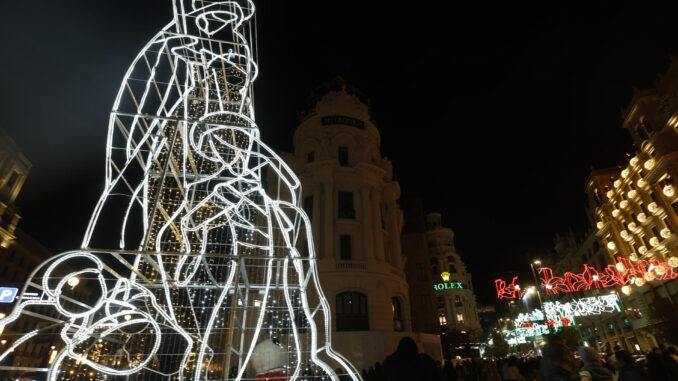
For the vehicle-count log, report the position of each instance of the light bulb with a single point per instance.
(623, 204)
(600, 225)
(611, 245)
(649, 164)
(649, 276)
(634, 161)
(633, 257)
(639, 282)
(625, 173)
(660, 270)
(615, 213)
(624, 234)
(642, 217)
(617, 183)
(626, 290)
(652, 207)
(669, 190)
(666, 233)
(620, 266)
(642, 250)
(654, 241)
(632, 193)
(632, 226)
(641, 183)
(673, 261)
(610, 193)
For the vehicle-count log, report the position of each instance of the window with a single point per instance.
(308, 206)
(346, 205)
(343, 156)
(352, 312)
(398, 323)
(434, 266)
(345, 247)
(12, 180)
(310, 157)
(442, 319)
(457, 301)
(451, 268)
(460, 317)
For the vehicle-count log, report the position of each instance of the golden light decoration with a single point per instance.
(625, 173)
(634, 161)
(624, 234)
(617, 183)
(649, 276)
(620, 266)
(666, 233)
(600, 225)
(641, 183)
(669, 190)
(626, 290)
(615, 213)
(639, 282)
(632, 193)
(632, 226)
(623, 204)
(642, 217)
(611, 245)
(673, 261)
(633, 257)
(649, 164)
(654, 241)
(610, 193)
(445, 276)
(652, 207)
(642, 250)
(660, 270)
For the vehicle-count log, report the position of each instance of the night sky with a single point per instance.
(492, 114)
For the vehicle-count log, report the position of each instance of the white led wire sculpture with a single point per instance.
(209, 261)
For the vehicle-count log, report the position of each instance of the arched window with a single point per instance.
(398, 322)
(451, 268)
(434, 267)
(351, 311)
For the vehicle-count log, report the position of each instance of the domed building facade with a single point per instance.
(351, 198)
(455, 299)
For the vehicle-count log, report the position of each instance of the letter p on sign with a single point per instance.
(7, 294)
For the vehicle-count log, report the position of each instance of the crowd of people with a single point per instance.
(557, 363)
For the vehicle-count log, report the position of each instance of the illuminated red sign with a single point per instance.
(507, 291)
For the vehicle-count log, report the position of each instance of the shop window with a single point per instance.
(442, 319)
(352, 312)
(460, 317)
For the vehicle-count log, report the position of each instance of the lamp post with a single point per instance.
(534, 275)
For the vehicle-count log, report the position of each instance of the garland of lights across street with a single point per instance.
(207, 279)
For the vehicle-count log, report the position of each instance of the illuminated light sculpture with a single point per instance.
(208, 262)
(507, 291)
(595, 305)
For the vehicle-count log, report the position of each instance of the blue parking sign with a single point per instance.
(7, 294)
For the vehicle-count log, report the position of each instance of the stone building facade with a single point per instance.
(351, 197)
(455, 300)
(14, 168)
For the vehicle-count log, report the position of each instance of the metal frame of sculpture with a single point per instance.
(210, 263)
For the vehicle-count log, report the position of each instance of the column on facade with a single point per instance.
(376, 226)
(367, 222)
(315, 218)
(395, 235)
(328, 236)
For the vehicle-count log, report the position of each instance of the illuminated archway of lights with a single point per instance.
(208, 263)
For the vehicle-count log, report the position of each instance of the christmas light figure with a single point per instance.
(207, 279)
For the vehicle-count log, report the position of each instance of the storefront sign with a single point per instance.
(7, 294)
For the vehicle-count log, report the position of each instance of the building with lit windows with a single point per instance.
(636, 207)
(454, 297)
(351, 197)
(14, 168)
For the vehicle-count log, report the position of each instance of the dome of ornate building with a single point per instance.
(455, 299)
(351, 198)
